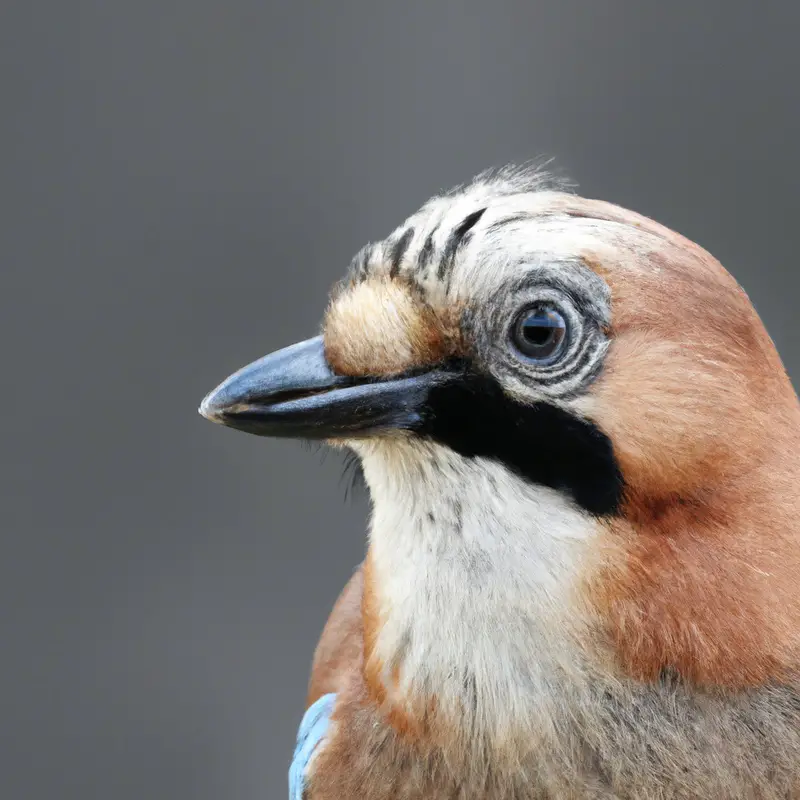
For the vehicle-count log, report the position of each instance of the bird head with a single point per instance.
(533, 378)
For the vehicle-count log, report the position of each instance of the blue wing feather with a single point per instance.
(312, 729)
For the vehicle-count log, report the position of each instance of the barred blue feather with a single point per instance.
(312, 729)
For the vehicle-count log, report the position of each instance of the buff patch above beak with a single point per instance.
(380, 327)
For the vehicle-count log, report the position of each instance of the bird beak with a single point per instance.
(294, 393)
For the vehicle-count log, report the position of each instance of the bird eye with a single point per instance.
(540, 333)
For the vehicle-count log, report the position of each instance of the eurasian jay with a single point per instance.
(583, 457)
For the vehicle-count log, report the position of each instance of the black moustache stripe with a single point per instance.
(541, 443)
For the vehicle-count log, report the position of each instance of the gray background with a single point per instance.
(181, 181)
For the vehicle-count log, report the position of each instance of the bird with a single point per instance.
(582, 451)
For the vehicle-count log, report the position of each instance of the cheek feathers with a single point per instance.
(382, 327)
(701, 566)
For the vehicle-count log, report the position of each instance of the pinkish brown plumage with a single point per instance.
(583, 455)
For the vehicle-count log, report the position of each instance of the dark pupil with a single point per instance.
(540, 333)
(538, 329)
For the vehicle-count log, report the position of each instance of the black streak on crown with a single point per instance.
(455, 240)
(399, 250)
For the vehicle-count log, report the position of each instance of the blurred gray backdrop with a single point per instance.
(180, 183)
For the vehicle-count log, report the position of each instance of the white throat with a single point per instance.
(476, 574)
